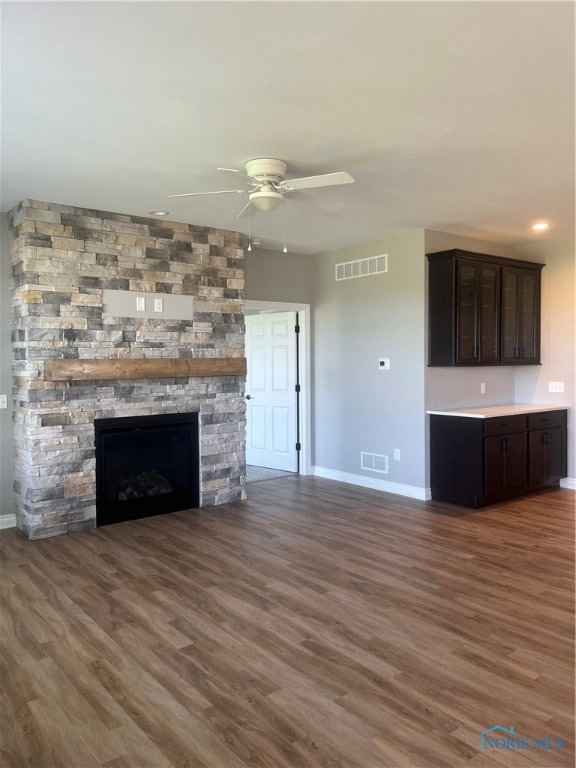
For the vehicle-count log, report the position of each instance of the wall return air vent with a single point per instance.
(375, 462)
(374, 265)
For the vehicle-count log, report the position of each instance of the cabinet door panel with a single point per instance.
(517, 464)
(527, 331)
(505, 464)
(466, 313)
(494, 449)
(509, 314)
(547, 456)
(488, 310)
(478, 302)
(520, 342)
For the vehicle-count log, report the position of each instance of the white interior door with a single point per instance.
(271, 391)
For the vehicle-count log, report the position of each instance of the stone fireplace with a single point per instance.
(120, 316)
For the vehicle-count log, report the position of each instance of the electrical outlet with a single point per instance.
(384, 363)
(158, 305)
(140, 303)
(3, 401)
(556, 386)
(396, 454)
(482, 387)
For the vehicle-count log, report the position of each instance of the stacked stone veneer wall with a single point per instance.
(63, 258)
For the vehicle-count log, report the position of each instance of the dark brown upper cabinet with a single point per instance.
(482, 310)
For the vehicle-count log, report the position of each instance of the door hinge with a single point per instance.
(297, 387)
(296, 329)
(298, 446)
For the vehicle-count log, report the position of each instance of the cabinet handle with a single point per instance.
(547, 438)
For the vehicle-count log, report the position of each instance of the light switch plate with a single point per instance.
(158, 305)
(556, 386)
(3, 401)
(140, 303)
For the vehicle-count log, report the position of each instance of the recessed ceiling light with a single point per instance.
(158, 213)
(540, 226)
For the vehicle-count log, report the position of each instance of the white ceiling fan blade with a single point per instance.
(248, 179)
(248, 210)
(219, 192)
(324, 180)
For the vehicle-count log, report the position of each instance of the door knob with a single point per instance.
(248, 397)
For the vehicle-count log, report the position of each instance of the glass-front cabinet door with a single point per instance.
(466, 312)
(478, 297)
(488, 334)
(509, 315)
(520, 316)
(528, 313)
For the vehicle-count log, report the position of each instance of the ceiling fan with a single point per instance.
(267, 184)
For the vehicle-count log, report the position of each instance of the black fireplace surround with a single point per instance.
(146, 465)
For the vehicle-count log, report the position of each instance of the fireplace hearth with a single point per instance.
(146, 465)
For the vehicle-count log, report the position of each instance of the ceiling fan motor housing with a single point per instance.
(266, 169)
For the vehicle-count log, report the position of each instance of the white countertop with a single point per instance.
(491, 411)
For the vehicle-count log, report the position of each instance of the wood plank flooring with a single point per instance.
(317, 624)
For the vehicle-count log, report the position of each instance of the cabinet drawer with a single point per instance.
(505, 425)
(547, 419)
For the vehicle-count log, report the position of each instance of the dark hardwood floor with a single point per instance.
(316, 624)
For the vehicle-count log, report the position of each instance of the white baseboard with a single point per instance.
(7, 521)
(413, 491)
(568, 482)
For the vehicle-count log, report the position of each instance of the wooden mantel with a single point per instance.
(144, 368)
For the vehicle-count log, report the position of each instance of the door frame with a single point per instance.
(305, 415)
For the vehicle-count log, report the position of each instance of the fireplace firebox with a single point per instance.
(146, 465)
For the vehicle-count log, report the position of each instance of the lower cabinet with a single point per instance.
(506, 466)
(546, 449)
(474, 462)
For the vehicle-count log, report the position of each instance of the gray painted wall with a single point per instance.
(356, 406)
(558, 334)
(274, 276)
(7, 500)
(443, 241)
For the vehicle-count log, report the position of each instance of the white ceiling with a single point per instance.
(451, 116)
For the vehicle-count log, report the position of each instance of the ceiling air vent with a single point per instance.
(374, 265)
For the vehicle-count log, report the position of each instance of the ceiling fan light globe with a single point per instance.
(266, 200)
